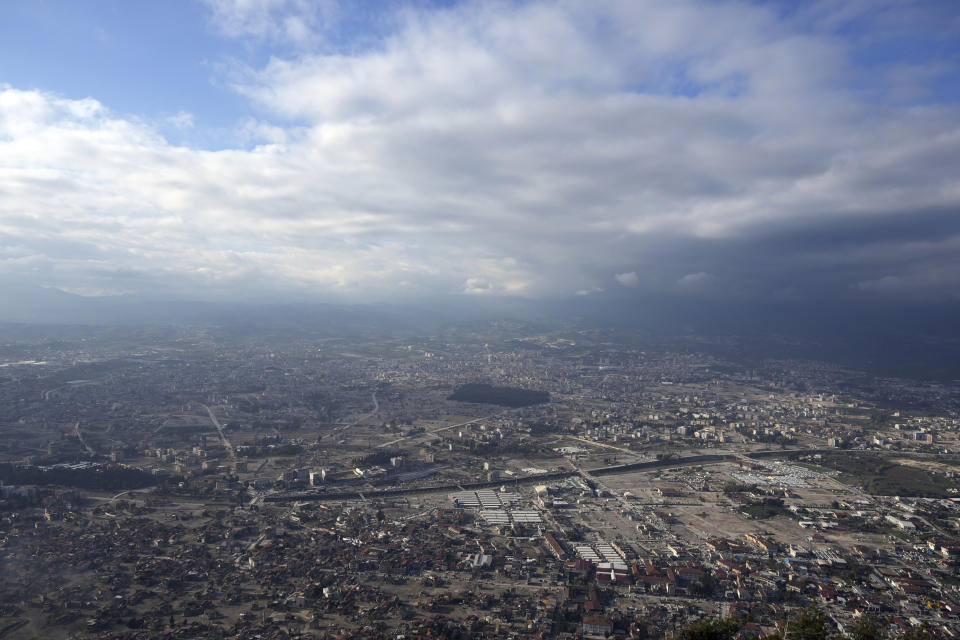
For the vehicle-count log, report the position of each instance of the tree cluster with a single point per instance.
(806, 624)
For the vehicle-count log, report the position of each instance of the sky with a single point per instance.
(299, 150)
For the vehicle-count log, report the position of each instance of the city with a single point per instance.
(490, 482)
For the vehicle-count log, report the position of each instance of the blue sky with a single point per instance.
(377, 150)
(148, 59)
(156, 59)
(139, 57)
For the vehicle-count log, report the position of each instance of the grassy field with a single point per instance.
(877, 475)
(762, 511)
(812, 467)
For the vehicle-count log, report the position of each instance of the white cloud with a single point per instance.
(700, 281)
(470, 153)
(935, 282)
(590, 291)
(182, 120)
(300, 22)
(477, 286)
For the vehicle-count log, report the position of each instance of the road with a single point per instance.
(439, 429)
(624, 503)
(610, 446)
(76, 431)
(468, 486)
(223, 437)
(593, 474)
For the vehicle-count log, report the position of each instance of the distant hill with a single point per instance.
(865, 333)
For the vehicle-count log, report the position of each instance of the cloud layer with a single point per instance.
(527, 149)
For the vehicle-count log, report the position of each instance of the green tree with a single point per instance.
(809, 624)
(917, 633)
(867, 628)
(704, 586)
(723, 629)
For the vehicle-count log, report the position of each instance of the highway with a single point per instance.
(439, 429)
(509, 482)
(590, 474)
